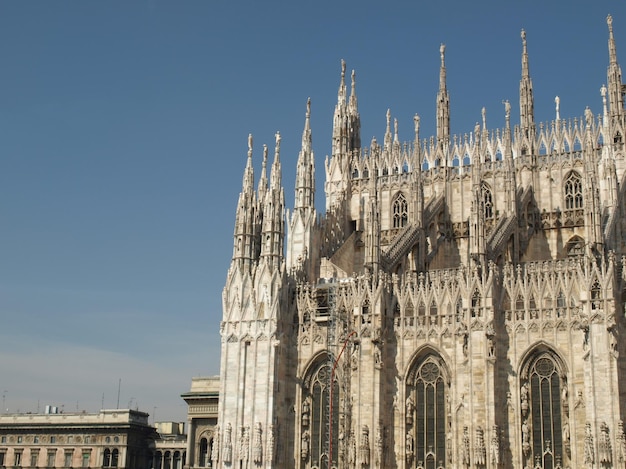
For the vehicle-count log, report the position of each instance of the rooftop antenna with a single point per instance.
(119, 385)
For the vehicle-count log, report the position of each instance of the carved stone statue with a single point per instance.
(270, 444)
(524, 399)
(495, 445)
(589, 451)
(480, 452)
(621, 443)
(306, 411)
(465, 448)
(352, 449)
(215, 450)
(257, 453)
(525, 438)
(364, 448)
(605, 451)
(228, 445)
(244, 443)
(409, 447)
(409, 408)
(304, 450)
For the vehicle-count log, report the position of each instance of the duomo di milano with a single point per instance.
(460, 303)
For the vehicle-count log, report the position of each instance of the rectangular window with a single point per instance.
(87, 440)
(51, 458)
(34, 457)
(3, 439)
(70, 439)
(86, 457)
(2, 453)
(53, 439)
(36, 439)
(68, 459)
(18, 458)
(19, 439)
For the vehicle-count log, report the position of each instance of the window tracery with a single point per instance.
(315, 416)
(487, 201)
(573, 191)
(544, 409)
(425, 421)
(400, 211)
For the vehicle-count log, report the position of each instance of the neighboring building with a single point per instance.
(459, 304)
(171, 446)
(202, 404)
(111, 438)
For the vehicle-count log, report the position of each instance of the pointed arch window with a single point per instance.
(425, 418)
(575, 247)
(544, 408)
(487, 201)
(400, 209)
(573, 191)
(315, 417)
(596, 295)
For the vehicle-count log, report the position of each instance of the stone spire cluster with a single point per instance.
(445, 274)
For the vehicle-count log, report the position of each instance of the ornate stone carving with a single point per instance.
(620, 443)
(271, 444)
(480, 452)
(228, 445)
(244, 443)
(465, 448)
(304, 450)
(495, 445)
(589, 451)
(257, 453)
(215, 451)
(364, 448)
(605, 452)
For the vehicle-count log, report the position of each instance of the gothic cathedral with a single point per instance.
(460, 302)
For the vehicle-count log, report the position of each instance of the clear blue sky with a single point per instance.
(123, 130)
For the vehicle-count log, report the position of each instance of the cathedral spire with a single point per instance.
(526, 101)
(614, 77)
(272, 231)
(354, 118)
(443, 104)
(305, 172)
(341, 95)
(263, 179)
(353, 105)
(244, 235)
(275, 175)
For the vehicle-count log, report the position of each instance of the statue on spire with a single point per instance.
(277, 142)
(442, 51)
(249, 144)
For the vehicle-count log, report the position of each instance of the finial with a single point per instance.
(308, 108)
(484, 113)
(343, 68)
(388, 120)
(353, 80)
(588, 116)
(609, 22)
(277, 142)
(507, 110)
(416, 122)
(523, 36)
(264, 153)
(395, 130)
(250, 145)
(557, 101)
(442, 51)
